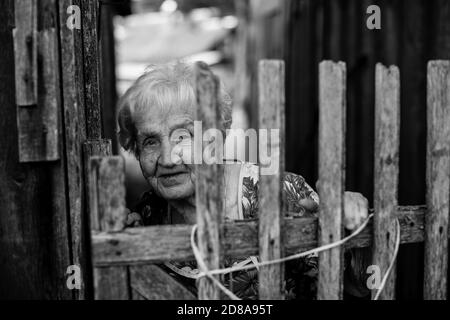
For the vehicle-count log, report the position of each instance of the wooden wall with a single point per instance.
(34, 236)
(43, 229)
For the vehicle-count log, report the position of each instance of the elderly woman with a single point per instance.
(156, 115)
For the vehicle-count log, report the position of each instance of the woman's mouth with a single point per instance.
(172, 179)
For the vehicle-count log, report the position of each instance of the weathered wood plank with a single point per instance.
(150, 282)
(79, 223)
(93, 148)
(331, 184)
(74, 131)
(111, 283)
(171, 243)
(209, 184)
(107, 193)
(108, 213)
(90, 10)
(34, 242)
(26, 52)
(37, 116)
(438, 181)
(387, 144)
(270, 193)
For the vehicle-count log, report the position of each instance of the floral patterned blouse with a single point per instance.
(301, 200)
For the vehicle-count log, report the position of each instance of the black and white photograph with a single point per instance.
(248, 151)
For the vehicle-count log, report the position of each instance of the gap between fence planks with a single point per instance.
(270, 192)
(331, 184)
(438, 181)
(386, 171)
(209, 182)
(108, 213)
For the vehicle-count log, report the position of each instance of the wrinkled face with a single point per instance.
(164, 140)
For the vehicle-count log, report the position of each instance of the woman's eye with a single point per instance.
(150, 142)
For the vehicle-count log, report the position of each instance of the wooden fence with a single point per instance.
(124, 259)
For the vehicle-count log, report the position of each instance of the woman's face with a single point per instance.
(164, 140)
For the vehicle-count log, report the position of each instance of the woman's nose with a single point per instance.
(168, 157)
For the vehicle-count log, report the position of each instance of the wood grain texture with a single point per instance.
(26, 52)
(74, 132)
(93, 148)
(34, 238)
(37, 117)
(270, 192)
(438, 181)
(387, 144)
(108, 213)
(331, 184)
(209, 183)
(79, 214)
(91, 58)
(107, 193)
(157, 244)
(150, 282)
(111, 283)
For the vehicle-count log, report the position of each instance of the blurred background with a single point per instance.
(231, 36)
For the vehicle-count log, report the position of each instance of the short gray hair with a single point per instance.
(156, 86)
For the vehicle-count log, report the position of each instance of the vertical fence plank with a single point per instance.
(209, 184)
(79, 222)
(332, 104)
(387, 144)
(271, 118)
(91, 148)
(438, 181)
(107, 205)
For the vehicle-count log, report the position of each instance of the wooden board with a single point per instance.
(107, 207)
(438, 181)
(74, 132)
(172, 243)
(150, 282)
(209, 188)
(34, 238)
(91, 58)
(270, 192)
(37, 105)
(387, 144)
(331, 184)
(26, 52)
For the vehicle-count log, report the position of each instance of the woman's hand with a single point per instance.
(133, 220)
(356, 210)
